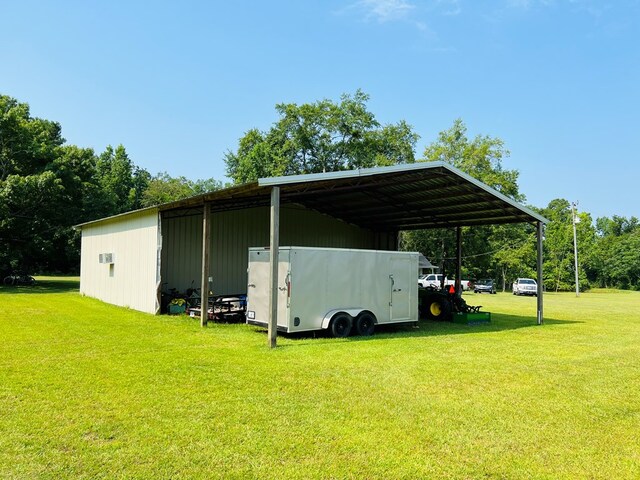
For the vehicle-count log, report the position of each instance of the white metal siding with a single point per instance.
(131, 280)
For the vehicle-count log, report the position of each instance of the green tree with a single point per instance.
(27, 144)
(163, 188)
(46, 187)
(624, 266)
(614, 258)
(32, 214)
(480, 157)
(586, 240)
(515, 253)
(29, 191)
(558, 246)
(616, 226)
(321, 137)
(438, 245)
(123, 182)
(559, 260)
(75, 170)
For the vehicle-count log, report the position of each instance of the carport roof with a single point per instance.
(401, 197)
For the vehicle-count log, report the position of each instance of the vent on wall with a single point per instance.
(105, 258)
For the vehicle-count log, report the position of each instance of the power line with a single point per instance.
(492, 252)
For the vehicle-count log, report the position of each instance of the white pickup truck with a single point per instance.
(435, 280)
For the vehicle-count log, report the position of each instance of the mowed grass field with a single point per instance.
(89, 390)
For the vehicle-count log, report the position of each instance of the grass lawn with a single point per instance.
(89, 390)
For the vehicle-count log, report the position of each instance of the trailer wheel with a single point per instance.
(365, 324)
(437, 308)
(341, 325)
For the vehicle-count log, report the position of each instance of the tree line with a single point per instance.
(47, 186)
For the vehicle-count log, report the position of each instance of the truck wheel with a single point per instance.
(341, 325)
(365, 324)
(438, 308)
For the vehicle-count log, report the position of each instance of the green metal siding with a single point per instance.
(233, 232)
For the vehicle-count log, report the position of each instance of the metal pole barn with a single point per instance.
(274, 246)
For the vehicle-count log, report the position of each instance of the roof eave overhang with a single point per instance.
(291, 180)
(316, 191)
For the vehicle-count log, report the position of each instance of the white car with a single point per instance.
(525, 286)
(435, 280)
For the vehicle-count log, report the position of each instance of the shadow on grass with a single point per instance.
(43, 286)
(499, 323)
(430, 328)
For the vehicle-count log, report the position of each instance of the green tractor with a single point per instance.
(440, 304)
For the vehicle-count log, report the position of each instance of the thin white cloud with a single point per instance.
(594, 8)
(529, 3)
(418, 14)
(383, 10)
(450, 7)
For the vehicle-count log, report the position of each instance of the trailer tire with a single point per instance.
(437, 308)
(341, 325)
(365, 324)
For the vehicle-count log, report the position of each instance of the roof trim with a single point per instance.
(496, 193)
(114, 217)
(360, 172)
(260, 188)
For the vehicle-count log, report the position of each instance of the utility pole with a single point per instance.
(575, 219)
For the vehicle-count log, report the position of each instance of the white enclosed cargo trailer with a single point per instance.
(336, 289)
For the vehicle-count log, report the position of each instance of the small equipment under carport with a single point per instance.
(223, 308)
(446, 305)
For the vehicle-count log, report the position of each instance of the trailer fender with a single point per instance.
(354, 312)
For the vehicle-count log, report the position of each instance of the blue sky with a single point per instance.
(178, 83)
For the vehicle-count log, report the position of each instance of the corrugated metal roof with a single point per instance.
(400, 197)
(403, 197)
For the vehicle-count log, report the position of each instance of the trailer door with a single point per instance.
(258, 287)
(401, 268)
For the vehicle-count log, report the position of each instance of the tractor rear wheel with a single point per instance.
(437, 307)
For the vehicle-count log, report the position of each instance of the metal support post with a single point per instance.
(458, 285)
(574, 220)
(540, 279)
(274, 247)
(204, 280)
